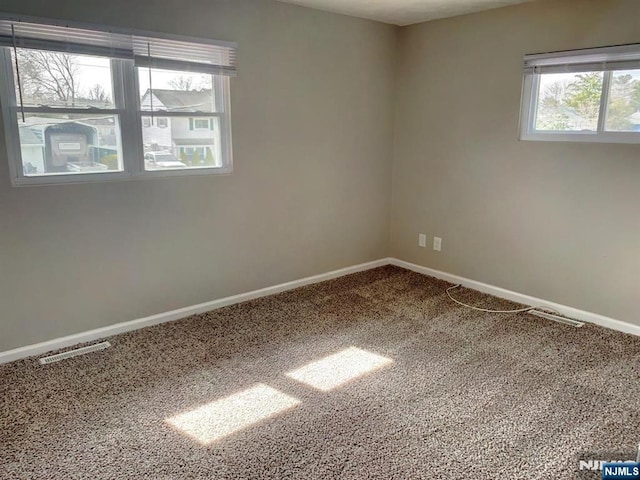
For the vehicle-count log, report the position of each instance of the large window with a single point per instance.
(584, 96)
(83, 104)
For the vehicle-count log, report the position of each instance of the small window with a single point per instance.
(584, 96)
(91, 105)
(200, 123)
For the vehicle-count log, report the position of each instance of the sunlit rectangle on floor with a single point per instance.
(228, 415)
(337, 369)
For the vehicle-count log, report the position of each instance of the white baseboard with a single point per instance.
(565, 310)
(99, 333)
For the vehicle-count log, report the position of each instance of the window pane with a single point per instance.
(54, 144)
(569, 102)
(176, 91)
(64, 80)
(181, 142)
(623, 109)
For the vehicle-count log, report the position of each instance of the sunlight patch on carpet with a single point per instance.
(335, 370)
(228, 415)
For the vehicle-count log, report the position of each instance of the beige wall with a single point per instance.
(559, 221)
(312, 119)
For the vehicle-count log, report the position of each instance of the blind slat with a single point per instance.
(169, 52)
(67, 47)
(584, 67)
(624, 57)
(169, 64)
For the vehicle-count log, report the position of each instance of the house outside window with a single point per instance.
(193, 134)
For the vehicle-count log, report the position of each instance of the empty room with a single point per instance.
(320, 239)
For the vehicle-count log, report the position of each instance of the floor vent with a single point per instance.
(74, 353)
(557, 318)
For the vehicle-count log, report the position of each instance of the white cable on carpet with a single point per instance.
(527, 309)
(543, 312)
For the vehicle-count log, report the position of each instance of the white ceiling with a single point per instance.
(404, 12)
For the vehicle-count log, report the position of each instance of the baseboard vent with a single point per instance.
(557, 318)
(74, 353)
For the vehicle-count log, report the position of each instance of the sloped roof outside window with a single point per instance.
(185, 100)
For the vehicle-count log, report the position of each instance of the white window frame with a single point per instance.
(196, 127)
(606, 59)
(127, 99)
(222, 102)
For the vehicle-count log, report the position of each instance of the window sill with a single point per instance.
(583, 137)
(71, 179)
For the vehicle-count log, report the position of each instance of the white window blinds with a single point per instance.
(147, 49)
(624, 57)
(176, 54)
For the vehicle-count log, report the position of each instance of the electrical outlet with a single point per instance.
(437, 244)
(422, 240)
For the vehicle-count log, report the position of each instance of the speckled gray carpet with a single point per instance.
(468, 395)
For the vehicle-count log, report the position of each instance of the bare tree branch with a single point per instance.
(50, 75)
(182, 82)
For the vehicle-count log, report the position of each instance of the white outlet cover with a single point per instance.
(422, 240)
(437, 244)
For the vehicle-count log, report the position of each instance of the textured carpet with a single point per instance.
(455, 394)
